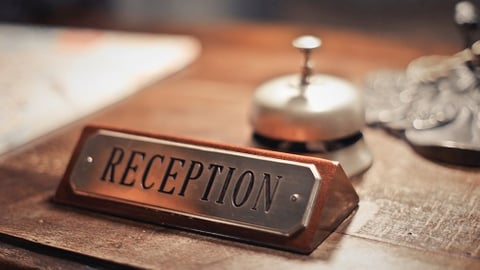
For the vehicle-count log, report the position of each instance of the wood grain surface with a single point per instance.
(413, 214)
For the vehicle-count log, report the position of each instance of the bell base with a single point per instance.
(352, 152)
(354, 159)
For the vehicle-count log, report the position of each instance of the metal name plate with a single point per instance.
(182, 182)
(202, 182)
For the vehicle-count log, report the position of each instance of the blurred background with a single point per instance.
(404, 18)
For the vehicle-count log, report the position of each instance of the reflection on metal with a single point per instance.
(466, 19)
(279, 200)
(435, 103)
(318, 112)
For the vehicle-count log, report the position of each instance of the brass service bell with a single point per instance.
(318, 115)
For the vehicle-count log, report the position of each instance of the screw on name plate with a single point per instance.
(295, 197)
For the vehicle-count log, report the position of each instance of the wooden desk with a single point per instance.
(413, 214)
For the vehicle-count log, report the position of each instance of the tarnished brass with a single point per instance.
(275, 199)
